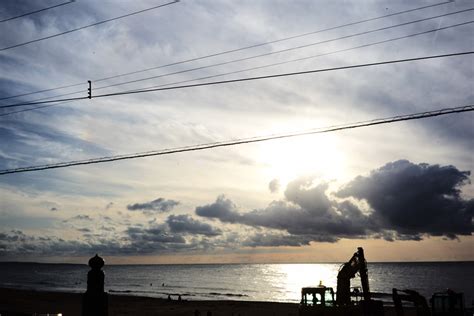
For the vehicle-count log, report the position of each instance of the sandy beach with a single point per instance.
(27, 302)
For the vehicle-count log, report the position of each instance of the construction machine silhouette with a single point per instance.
(323, 301)
(418, 300)
(320, 300)
(447, 303)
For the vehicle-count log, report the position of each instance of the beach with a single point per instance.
(15, 302)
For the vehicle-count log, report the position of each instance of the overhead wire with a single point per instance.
(380, 121)
(31, 109)
(87, 26)
(212, 83)
(280, 51)
(36, 11)
(234, 50)
(35, 102)
(395, 61)
(303, 58)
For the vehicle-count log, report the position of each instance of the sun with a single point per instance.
(312, 155)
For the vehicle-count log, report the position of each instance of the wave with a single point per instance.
(186, 294)
(228, 294)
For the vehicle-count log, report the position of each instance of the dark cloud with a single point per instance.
(306, 211)
(177, 233)
(223, 209)
(15, 239)
(414, 199)
(15, 236)
(187, 224)
(408, 201)
(157, 234)
(274, 186)
(404, 201)
(133, 241)
(275, 240)
(160, 205)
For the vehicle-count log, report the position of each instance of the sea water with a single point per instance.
(255, 282)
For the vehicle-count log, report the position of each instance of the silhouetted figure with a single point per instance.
(169, 298)
(179, 298)
(95, 301)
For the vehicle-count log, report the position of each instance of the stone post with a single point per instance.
(95, 300)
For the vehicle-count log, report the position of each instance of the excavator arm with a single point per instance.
(348, 270)
(421, 306)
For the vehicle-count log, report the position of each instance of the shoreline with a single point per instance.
(17, 301)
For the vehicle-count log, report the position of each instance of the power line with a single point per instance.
(285, 74)
(87, 26)
(280, 51)
(37, 11)
(31, 109)
(42, 102)
(234, 50)
(389, 120)
(307, 57)
(32, 102)
(395, 61)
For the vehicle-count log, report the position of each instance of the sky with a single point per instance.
(402, 191)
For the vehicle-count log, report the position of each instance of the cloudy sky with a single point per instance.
(403, 191)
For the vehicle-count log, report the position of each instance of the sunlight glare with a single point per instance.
(313, 155)
(297, 276)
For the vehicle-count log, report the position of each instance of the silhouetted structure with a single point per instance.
(448, 303)
(323, 302)
(95, 300)
(421, 306)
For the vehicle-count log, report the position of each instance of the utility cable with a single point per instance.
(256, 67)
(35, 108)
(212, 83)
(37, 11)
(279, 51)
(87, 26)
(380, 121)
(303, 58)
(234, 50)
(297, 73)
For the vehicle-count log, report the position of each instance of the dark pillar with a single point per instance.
(95, 301)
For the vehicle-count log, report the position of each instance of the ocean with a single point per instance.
(255, 282)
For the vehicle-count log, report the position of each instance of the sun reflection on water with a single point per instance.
(290, 278)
